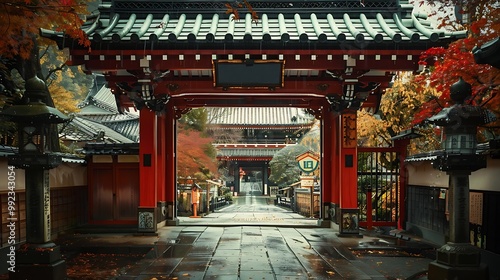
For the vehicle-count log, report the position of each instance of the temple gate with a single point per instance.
(329, 57)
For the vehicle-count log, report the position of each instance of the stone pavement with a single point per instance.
(258, 252)
(259, 241)
(261, 252)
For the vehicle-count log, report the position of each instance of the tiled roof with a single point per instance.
(99, 119)
(82, 129)
(126, 124)
(100, 101)
(111, 148)
(6, 151)
(260, 117)
(254, 151)
(199, 22)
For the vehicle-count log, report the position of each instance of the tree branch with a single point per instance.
(44, 52)
(52, 71)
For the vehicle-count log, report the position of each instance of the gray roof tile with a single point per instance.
(254, 153)
(260, 116)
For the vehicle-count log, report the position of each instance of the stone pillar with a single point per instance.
(39, 256)
(458, 259)
(458, 200)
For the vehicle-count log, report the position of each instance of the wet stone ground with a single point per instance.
(249, 239)
(90, 266)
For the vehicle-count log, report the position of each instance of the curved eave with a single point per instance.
(243, 158)
(367, 30)
(262, 127)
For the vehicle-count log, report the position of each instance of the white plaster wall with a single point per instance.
(68, 175)
(423, 174)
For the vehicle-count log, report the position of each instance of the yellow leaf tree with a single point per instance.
(397, 109)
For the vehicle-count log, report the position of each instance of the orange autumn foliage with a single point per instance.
(20, 19)
(195, 154)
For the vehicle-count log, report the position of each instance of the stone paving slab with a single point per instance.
(291, 248)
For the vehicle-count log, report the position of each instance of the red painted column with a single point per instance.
(170, 177)
(348, 174)
(348, 162)
(160, 167)
(147, 217)
(160, 158)
(331, 167)
(335, 157)
(326, 160)
(147, 160)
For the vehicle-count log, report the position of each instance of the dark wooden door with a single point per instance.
(115, 193)
(127, 193)
(102, 195)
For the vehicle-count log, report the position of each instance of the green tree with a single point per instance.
(284, 168)
(312, 139)
(194, 119)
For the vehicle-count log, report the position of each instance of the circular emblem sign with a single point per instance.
(308, 162)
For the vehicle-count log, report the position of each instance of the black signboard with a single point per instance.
(248, 73)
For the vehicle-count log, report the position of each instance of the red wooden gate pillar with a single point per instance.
(160, 167)
(147, 172)
(329, 169)
(169, 136)
(348, 162)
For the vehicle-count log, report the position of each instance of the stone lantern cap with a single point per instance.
(35, 111)
(458, 115)
(461, 114)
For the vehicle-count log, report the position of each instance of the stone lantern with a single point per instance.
(458, 259)
(39, 256)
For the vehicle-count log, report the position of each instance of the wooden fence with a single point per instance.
(303, 203)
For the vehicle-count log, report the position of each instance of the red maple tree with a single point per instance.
(195, 155)
(444, 66)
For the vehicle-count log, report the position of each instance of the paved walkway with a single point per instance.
(256, 252)
(252, 239)
(251, 210)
